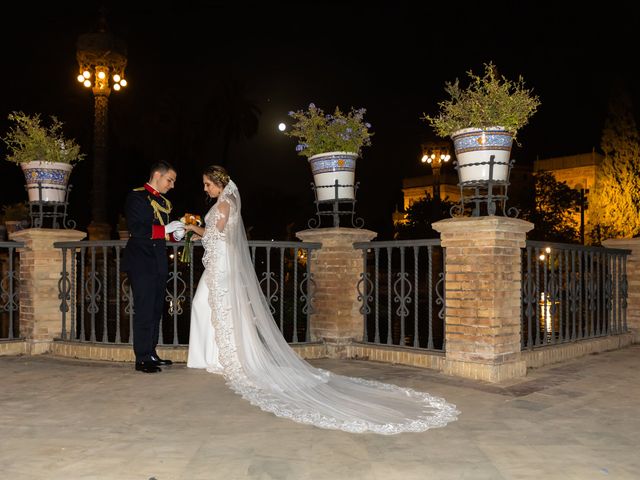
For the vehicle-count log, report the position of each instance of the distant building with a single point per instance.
(578, 171)
(417, 188)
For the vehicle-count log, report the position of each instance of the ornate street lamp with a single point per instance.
(436, 156)
(101, 60)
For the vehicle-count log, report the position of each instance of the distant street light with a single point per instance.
(102, 60)
(435, 157)
(282, 127)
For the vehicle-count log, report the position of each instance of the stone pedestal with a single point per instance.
(633, 280)
(482, 296)
(336, 270)
(40, 267)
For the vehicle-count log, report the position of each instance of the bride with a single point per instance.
(233, 333)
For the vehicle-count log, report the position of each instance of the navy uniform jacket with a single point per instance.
(146, 212)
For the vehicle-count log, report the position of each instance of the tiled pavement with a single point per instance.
(66, 419)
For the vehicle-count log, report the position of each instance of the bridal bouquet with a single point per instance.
(189, 219)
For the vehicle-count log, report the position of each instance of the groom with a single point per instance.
(145, 260)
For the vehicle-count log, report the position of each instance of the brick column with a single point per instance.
(482, 296)
(336, 270)
(40, 267)
(633, 280)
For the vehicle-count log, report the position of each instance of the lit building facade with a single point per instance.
(578, 171)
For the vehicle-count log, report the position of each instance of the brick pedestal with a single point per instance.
(633, 280)
(336, 270)
(482, 295)
(40, 267)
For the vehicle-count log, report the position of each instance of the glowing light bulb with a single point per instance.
(87, 83)
(123, 82)
(116, 78)
(86, 74)
(424, 158)
(116, 87)
(282, 127)
(80, 78)
(101, 75)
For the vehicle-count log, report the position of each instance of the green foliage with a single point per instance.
(550, 205)
(318, 132)
(489, 101)
(420, 215)
(29, 140)
(615, 200)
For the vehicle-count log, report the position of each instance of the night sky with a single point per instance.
(392, 60)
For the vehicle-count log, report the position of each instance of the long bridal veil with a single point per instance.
(261, 367)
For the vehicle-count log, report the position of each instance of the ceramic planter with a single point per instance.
(474, 148)
(329, 167)
(53, 176)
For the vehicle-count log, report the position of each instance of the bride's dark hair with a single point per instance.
(217, 175)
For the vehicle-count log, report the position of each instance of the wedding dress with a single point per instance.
(235, 335)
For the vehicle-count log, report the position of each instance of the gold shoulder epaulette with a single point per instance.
(138, 189)
(167, 203)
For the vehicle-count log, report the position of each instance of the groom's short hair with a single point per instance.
(162, 167)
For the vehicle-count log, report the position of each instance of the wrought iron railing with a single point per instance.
(571, 292)
(97, 303)
(9, 297)
(402, 293)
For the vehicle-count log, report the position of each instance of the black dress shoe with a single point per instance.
(147, 367)
(159, 361)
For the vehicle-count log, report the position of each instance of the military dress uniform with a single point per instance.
(145, 261)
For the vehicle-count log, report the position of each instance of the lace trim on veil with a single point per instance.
(318, 391)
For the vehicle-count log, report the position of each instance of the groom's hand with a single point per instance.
(174, 226)
(179, 234)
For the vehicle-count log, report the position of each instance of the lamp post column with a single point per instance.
(435, 156)
(436, 179)
(99, 229)
(102, 60)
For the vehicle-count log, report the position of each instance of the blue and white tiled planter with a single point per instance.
(329, 167)
(54, 177)
(475, 145)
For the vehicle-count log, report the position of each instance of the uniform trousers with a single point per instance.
(148, 302)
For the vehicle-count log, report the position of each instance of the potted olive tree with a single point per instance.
(483, 120)
(332, 143)
(45, 155)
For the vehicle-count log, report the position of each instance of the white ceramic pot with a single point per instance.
(475, 145)
(329, 167)
(54, 177)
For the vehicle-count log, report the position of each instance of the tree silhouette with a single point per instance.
(420, 215)
(550, 205)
